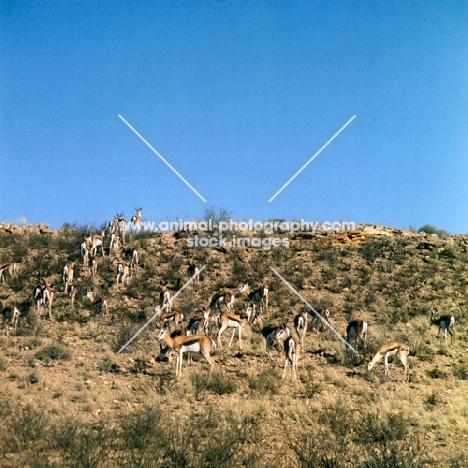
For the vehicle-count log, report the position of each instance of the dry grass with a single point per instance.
(68, 389)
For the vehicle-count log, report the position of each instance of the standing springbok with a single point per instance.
(192, 344)
(137, 216)
(193, 272)
(269, 332)
(67, 274)
(169, 317)
(357, 329)
(292, 349)
(10, 316)
(131, 255)
(165, 298)
(199, 324)
(92, 265)
(445, 323)
(300, 325)
(71, 295)
(10, 267)
(391, 349)
(48, 296)
(222, 297)
(96, 241)
(226, 320)
(121, 225)
(99, 304)
(84, 250)
(123, 273)
(259, 295)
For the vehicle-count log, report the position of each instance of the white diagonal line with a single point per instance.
(312, 158)
(313, 310)
(157, 313)
(162, 158)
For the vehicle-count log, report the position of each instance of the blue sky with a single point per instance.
(237, 96)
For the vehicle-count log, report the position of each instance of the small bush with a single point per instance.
(265, 382)
(54, 351)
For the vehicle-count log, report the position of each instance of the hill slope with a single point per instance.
(72, 401)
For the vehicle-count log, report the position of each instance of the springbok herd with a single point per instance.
(195, 336)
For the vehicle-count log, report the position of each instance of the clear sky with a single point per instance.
(236, 96)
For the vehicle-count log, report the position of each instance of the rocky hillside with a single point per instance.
(68, 388)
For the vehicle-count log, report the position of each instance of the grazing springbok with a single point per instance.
(123, 273)
(222, 297)
(269, 332)
(259, 295)
(199, 324)
(357, 329)
(94, 242)
(99, 304)
(167, 350)
(169, 317)
(67, 274)
(292, 349)
(391, 349)
(300, 325)
(165, 299)
(10, 267)
(10, 317)
(188, 344)
(445, 323)
(317, 323)
(226, 320)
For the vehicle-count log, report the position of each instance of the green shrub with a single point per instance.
(54, 351)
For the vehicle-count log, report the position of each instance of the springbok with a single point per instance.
(292, 349)
(269, 332)
(71, 295)
(391, 349)
(191, 344)
(136, 217)
(47, 296)
(131, 255)
(169, 317)
(300, 325)
(231, 321)
(123, 273)
(10, 267)
(199, 324)
(99, 304)
(317, 323)
(222, 297)
(193, 272)
(84, 252)
(445, 323)
(67, 274)
(10, 316)
(167, 350)
(165, 298)
(94, 242)
(357, 329)
(259, 295)
(121, 225)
